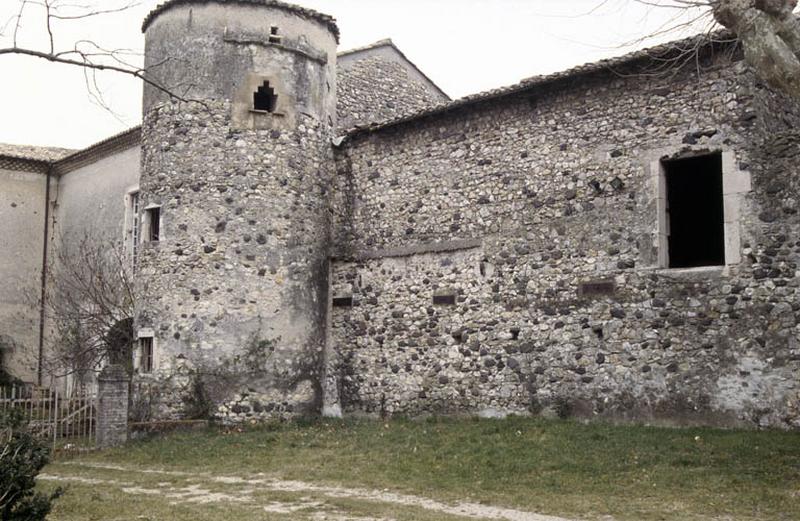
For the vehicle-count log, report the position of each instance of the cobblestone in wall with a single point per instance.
(242, 252)
(374, 89)
(558, 185)
(234, 291)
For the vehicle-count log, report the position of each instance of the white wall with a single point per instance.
(22, 221)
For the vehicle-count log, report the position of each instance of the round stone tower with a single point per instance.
(235, 221)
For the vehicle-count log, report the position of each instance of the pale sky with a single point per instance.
(465, 46)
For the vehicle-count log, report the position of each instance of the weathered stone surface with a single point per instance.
(243, 196)
(561, 192)
(535, 216)
(378, 83)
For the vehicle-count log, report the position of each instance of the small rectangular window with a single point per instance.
(444, 300)
(274, 37)
(153, 224)
(343, 302)
(695, 211)
(146, 355)
(596, 288)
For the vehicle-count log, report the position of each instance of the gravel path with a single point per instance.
(199, 489)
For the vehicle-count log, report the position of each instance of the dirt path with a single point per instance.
(200, 488)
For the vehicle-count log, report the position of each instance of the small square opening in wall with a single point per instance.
(448, 299)
(146, 354)
(274, 37)
(152, 224)
(343, 302)
(265, 99)
(695, 211)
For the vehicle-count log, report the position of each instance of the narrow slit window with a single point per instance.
(265, 99)
(343, 302)
(135, 228)
(695, 212)
(153, 224)
(146, 355)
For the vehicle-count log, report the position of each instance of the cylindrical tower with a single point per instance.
(235, 221)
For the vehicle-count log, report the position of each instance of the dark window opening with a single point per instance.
(153, 224)
(444, 300)
(135, 229)
(596, 288)
(265, 98)
(274, 37)
(343, 302)
(146, 355)
(695, 211)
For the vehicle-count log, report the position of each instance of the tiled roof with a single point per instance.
(387, 42)
(33, 153)
(302, 11)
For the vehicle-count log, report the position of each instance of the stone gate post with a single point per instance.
(112, 406)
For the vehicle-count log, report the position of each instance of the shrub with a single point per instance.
(22, 457)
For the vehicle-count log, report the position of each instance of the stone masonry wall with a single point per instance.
(375, 88)
(538, 193)
(234, 291)
(241, 258)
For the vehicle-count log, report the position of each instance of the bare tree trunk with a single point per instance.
(770, 36)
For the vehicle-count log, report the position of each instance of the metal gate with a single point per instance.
(69, 421)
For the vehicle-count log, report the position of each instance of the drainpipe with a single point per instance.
(44, 275)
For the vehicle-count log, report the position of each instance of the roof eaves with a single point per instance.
(33, 153)
(10, 162)
(649, 54)
(122, 141)
(311, 14)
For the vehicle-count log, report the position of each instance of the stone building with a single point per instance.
(618, 240)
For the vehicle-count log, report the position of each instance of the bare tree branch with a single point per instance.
(22, 7)
(768, 31)
(87, 63)
(90, 56)
(90, 305)
(90, 12)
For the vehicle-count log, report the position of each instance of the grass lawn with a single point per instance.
(557, 468)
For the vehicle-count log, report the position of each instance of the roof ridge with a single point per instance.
(380, 43)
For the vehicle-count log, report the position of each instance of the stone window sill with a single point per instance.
(266, 112)
(701, 272)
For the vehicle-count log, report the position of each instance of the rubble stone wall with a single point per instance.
(240, 268)
(539, 215)
(378, 84)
